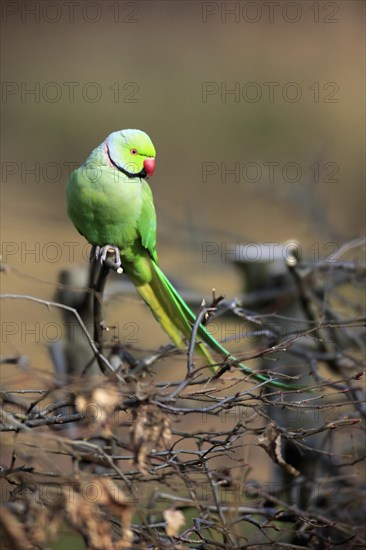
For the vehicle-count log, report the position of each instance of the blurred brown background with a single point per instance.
(101, 66)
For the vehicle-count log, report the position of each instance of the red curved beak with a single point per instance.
(149, 165)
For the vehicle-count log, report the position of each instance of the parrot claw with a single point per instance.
(101, 253)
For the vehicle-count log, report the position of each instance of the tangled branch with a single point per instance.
(123, 459)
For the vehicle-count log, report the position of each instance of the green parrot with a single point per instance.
(111, 205)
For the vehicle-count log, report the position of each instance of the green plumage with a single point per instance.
(111, 203)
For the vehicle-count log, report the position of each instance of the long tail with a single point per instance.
(177, 320)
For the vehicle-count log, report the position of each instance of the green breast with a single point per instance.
(105, 205)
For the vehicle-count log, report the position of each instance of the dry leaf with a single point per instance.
(41, 517)
(270, 440)
(14, 530)
(120, 505)
(150, 428)
(98, 406)
(174, 521)
(85, 517)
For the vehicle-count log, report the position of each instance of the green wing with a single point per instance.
(146, 225)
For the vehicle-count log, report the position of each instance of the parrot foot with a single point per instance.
(101, 253)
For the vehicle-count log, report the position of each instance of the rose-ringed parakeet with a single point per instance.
(111, 205)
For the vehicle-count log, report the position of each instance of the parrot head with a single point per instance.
(131, 151)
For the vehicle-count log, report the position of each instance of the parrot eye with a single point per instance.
(133, 151)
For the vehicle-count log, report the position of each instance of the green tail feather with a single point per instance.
(170, 311)
(176, 319)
